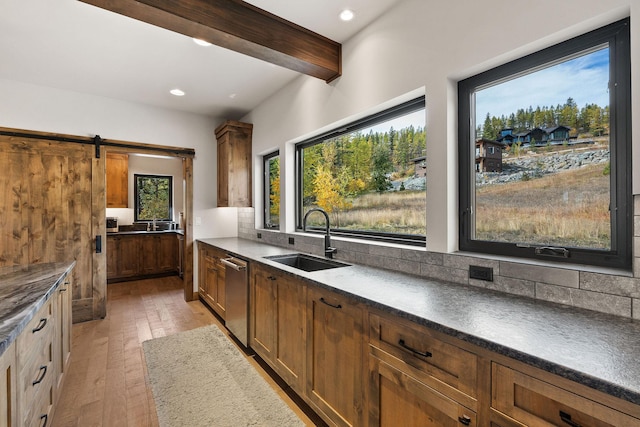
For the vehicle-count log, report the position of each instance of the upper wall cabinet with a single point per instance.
(234, 164)
(117, 180)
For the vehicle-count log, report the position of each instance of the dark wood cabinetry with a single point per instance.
(117, 180)
(234, 164)
(132, 256)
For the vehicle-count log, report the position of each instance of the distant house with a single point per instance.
(538, 136)
(489, 155)
(420, 165)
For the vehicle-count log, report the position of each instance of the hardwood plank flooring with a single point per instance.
(106, 384)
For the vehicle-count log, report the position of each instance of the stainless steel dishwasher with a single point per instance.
(237, 298)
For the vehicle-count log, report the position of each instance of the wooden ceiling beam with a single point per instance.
(240, 27)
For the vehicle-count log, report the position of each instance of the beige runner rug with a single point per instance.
(199, 378)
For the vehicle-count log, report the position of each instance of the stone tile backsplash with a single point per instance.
(604, 292)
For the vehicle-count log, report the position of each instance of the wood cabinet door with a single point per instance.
(167, 252)
(113, 260)
(291, 331)
(117, 180)
(129, 265)
(62, 339)
(263, 319)
(8, 386)
(398, 399)
(220, 295)
(210, 281)
(234, 163)
(223, 171)
(148, 245)
(335, 342)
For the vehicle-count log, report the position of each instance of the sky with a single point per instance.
(585, 79)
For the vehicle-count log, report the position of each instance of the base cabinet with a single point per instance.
(335, 343)
(278, 325)
(140, 255)
(211, 280)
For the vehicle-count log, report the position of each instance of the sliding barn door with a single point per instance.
(51, 209)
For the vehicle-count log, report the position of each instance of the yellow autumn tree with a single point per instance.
(330, 194)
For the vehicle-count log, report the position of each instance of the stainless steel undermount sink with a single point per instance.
(306, 262)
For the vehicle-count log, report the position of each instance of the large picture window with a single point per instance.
(272, 190)
(153, 198)
(369, 177)
(545, 153)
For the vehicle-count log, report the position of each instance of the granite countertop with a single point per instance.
(591, 348)
(23, 291)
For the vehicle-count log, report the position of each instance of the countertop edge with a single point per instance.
(27, 315)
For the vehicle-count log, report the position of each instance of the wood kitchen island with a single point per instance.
(35, 340)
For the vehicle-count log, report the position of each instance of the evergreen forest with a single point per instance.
(588, 121)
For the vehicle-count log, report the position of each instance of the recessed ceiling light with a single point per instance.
(347, 15)
(232, 95)
(201, 42)
(176, 92)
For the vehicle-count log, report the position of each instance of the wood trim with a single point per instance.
(187, 274)
(99, 228)
(122, 146)
(241, 27)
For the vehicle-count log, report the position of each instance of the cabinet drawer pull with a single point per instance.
(413, 350)
(567, 419)
(43, 372)
(271, 278)
(324, 301)
(44, 417)
(465, 419)
(41, 325)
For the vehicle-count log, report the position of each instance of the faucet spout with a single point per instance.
(328, 250)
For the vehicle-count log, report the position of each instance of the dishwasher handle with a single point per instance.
(238, 265)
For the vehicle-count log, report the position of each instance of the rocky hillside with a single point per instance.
(530, 166)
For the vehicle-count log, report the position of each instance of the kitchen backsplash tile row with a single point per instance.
(611, 293)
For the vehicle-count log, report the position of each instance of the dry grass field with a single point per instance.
(569, 208)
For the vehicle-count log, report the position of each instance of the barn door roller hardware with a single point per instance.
(97, 141)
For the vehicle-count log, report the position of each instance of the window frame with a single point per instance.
(136, 200)
(617, 37)
(265, 190)
(366, 122)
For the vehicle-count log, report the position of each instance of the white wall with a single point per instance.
(39, 108)
(428, 46)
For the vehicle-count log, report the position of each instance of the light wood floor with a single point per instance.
(106, 384)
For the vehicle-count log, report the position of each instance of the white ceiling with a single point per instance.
(74, 46)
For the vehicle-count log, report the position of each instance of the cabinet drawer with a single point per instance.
(451, 369)
(532, 401)
(35, 335)
(401, 400)
(39, 412)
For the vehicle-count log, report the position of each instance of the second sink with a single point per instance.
(306, 262)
